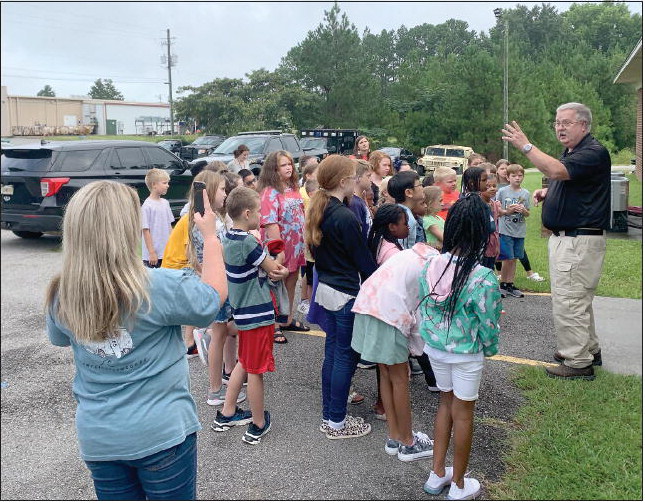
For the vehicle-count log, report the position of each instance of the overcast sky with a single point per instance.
(69, 45)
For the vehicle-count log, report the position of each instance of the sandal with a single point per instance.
(278, 334)
(355, 398)
(295, 326)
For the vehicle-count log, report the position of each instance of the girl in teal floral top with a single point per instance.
(459, 309)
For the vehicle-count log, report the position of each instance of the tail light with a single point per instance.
(50, 186)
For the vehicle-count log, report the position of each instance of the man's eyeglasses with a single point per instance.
(565, 124)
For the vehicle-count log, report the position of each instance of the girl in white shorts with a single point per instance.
(460, 308)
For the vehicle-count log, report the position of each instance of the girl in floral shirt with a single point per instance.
(459, 308)
(283, 217)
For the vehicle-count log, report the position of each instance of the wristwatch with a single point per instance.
(527, 148)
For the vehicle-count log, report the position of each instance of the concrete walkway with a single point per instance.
(619, 325)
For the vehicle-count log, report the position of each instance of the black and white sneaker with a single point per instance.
(254, 434)
(512, 290)
(239, 418)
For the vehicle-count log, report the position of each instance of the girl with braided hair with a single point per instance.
(390, 224)
(459, 308)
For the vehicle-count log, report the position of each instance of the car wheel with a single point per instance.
(421, 170)
(27, 234)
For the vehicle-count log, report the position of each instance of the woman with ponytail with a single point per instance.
(460, 308)
(342, 262)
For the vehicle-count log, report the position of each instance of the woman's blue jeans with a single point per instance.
(170, 474)
(339, 364)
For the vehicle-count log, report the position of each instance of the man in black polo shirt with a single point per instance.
(577, 209)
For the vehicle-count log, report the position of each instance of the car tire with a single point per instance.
(28, 234)
(421, 170)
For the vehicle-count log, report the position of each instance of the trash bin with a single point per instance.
(618, 205)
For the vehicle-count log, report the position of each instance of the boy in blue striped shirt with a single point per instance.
(248, 268)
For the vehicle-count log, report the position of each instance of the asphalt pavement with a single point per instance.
(39, 457)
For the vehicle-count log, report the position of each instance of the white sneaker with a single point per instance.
(202, 340)
(471, 490)
(303, 307)
(535, 277)
(436, 484)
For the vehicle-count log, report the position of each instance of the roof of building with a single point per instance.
(632, 70)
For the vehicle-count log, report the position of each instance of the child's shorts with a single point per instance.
(461, 378)
(378, 342)
(510, 248)
(255, 349)
(225, 313)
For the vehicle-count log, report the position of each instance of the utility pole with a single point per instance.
(499, 14)
(170, 60)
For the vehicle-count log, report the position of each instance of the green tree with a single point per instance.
(46, 91)
(104, 89)
(328, 62)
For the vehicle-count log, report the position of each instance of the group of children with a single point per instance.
(412, 275)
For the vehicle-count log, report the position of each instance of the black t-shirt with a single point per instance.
(343, 260)
(584, 199)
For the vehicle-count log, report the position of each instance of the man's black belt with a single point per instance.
(578, 232)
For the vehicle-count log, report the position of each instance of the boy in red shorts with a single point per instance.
(253, 312)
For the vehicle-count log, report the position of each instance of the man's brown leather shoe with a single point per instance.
(564, 372)
(597, 358)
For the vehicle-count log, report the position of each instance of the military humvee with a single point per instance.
(450, 156)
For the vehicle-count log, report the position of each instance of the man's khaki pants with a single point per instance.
(575, 264)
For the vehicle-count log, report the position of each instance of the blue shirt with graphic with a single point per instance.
(133, 390)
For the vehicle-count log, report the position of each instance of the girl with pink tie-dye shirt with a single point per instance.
(386, 331)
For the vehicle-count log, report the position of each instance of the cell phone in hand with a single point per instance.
(198, 189)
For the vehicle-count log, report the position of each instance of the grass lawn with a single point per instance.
(623, 266)
(575, 440)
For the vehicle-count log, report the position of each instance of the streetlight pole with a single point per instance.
(505, 81)
(498, 15)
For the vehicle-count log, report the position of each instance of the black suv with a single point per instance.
(39, 179)
(260, 143)
(201, 147)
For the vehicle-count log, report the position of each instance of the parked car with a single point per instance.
(336, 141)
(37, 180)
(260, 143)
(451, 156)
(315, 147)
(201, 147)
(173, 146)
(400, 154)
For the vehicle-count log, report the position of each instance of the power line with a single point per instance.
(87, 75)
(88, 79)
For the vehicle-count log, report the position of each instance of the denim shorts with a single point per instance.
(461, 378)
(510, 248)
(225, 313)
